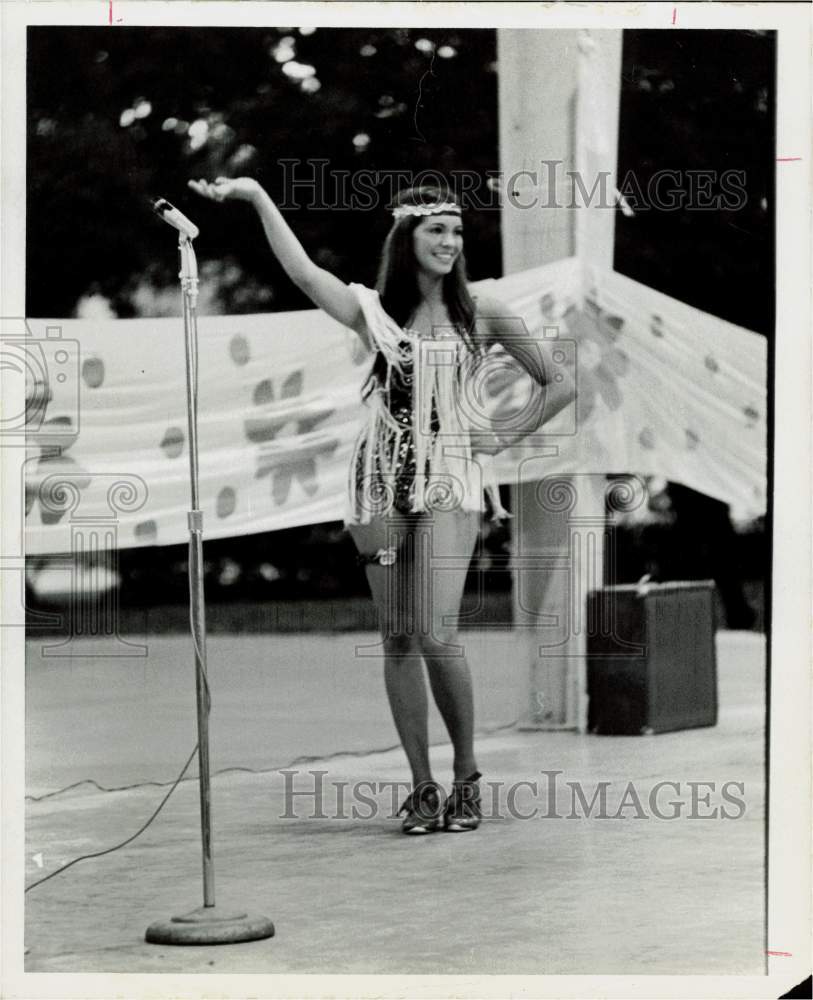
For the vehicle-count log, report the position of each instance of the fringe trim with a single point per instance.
(387, 336)
(445, 458)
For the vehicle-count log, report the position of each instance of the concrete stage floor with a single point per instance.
(624, 892)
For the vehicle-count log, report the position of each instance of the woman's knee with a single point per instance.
(440, 642)
(400, 644)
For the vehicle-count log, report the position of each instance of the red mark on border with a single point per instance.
(783, 954)
(787, 159)
(674, 14)
(109, 11)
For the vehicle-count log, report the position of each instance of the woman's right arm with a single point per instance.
(324, 289)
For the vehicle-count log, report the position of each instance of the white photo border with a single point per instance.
(790, 686)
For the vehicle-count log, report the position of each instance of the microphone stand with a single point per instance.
(204, 925)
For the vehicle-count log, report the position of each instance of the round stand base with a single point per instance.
(208, 925)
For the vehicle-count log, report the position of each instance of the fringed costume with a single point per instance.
(414, 452)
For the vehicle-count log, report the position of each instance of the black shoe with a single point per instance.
(423, 808)
(463, 810)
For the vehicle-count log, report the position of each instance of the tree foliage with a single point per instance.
(119, 116)
(116, 117)
(698, 104)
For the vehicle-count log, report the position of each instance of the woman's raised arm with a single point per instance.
(324, 289)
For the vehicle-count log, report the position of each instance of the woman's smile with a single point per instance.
(438, 242)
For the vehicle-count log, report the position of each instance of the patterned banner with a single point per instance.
(663, 389)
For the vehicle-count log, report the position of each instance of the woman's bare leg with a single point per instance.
(393, 591)
(446, 541)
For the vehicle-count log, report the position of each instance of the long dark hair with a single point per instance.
(397, 282)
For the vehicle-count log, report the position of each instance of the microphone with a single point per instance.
(175, 218)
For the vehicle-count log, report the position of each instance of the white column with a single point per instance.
(597, 145)
(537, 108)
(538, 100)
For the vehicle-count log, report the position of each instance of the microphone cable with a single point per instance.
(124, 843)
(227, 770)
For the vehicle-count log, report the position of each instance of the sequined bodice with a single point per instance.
(398, 395)
(396, 389)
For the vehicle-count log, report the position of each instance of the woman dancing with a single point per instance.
(419, 470)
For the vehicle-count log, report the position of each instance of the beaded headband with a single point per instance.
(440, 208)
